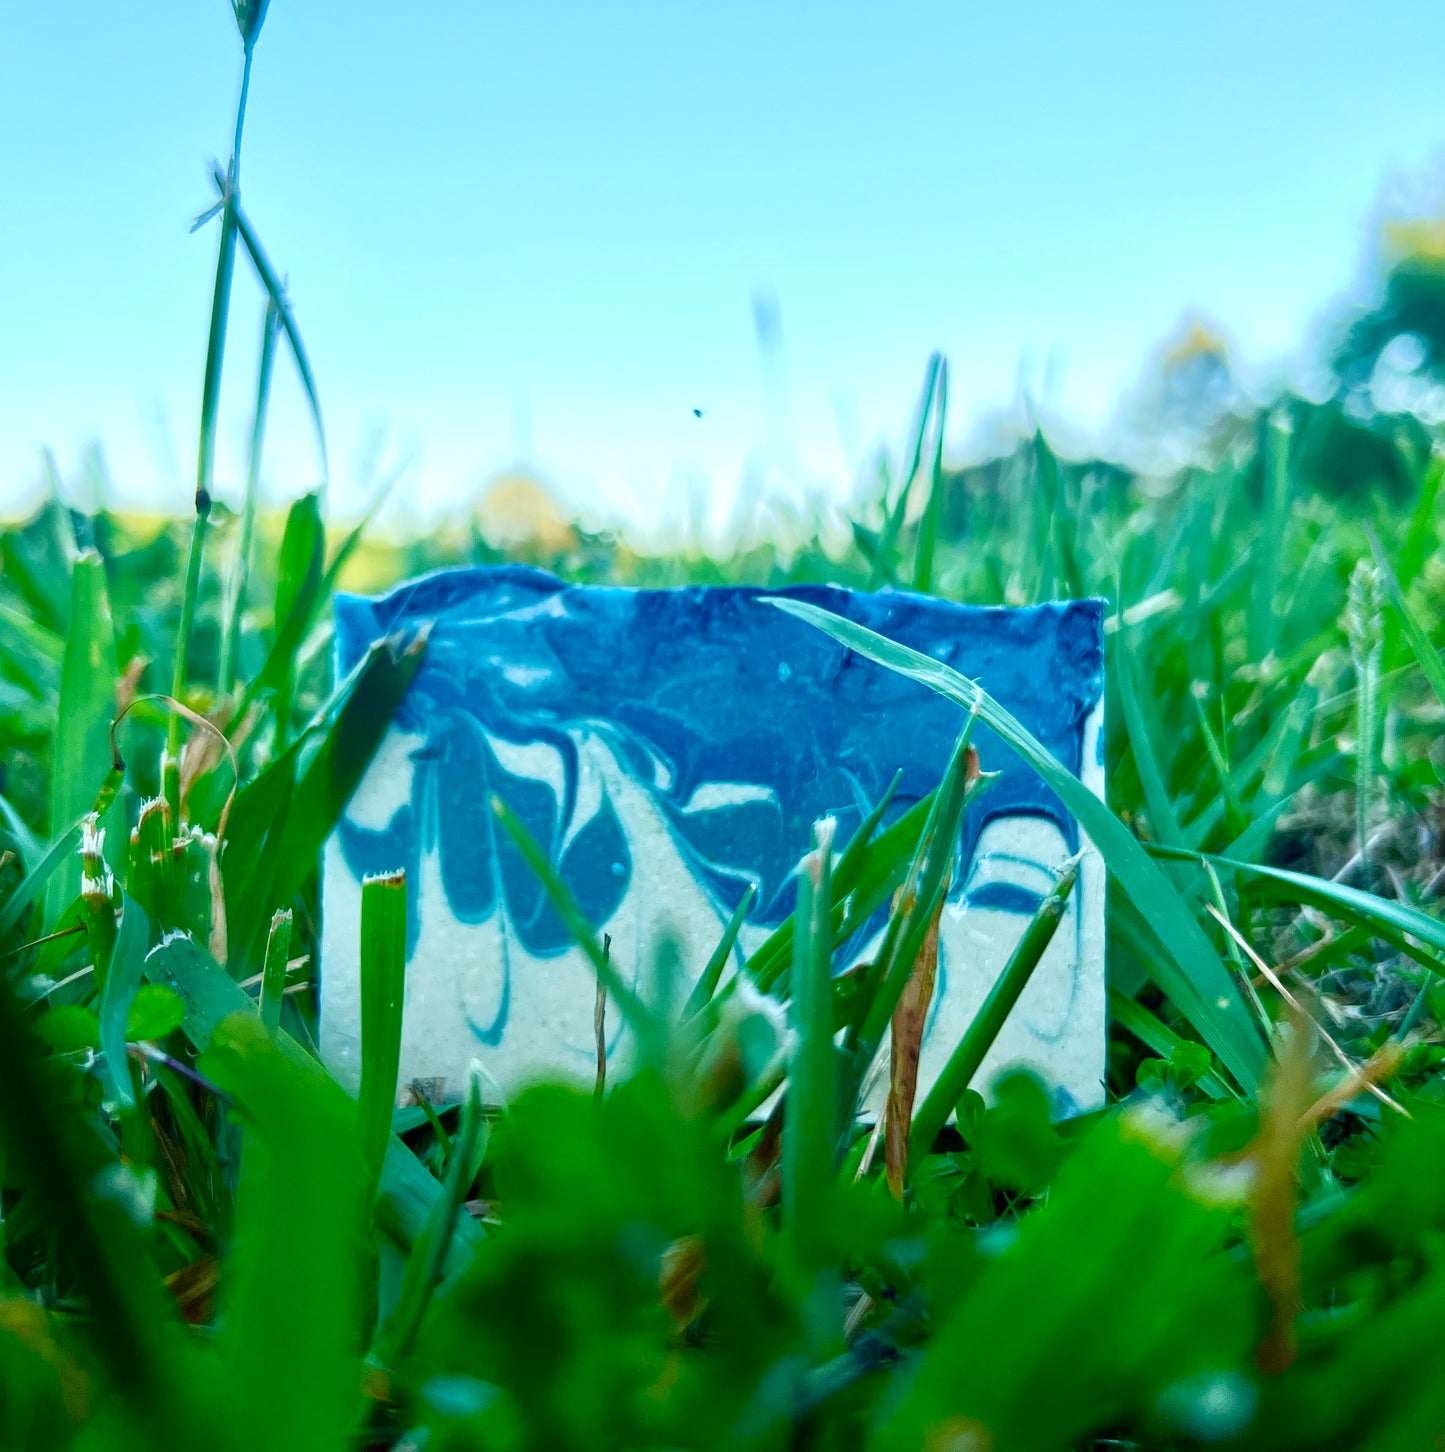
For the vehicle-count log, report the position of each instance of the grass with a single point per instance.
(205, 1242)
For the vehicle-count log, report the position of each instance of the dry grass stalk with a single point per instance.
(1275, 1192)
(909, 1019)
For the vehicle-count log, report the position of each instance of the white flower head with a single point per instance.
(95, 878)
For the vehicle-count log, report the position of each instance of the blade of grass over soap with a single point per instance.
(283, 816)
(869, 870)
(633, 1009)
(1192, 975)
(811, 1122)
(707, 983)
(971, 1050)
(383, 993)
(918, 900)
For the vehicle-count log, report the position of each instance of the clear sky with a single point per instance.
(540, 229)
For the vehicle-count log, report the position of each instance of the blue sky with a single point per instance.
(540, 228)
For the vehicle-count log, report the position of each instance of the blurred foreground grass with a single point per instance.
(205, 1240)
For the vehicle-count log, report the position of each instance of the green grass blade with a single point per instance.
(410, 1115)
(706, 985)
(34, 651)
(850, 861)
(81, 759)
(1229, 790)
(152, 871)
(354, 537)
(303, 595)
(427, 1263)
(205, 470)
(882, 565)
(23, 898)
(1365, 629)
(1279, 745)
(298, 597)
(1193, 977)
(273, 970)
(276, 291)
(933, 509)
(292, 1285)
(1157, 801)
(923, 889)
(811, 1119)
(1162, 1039)
(638, 1017)
(283, 817)
(1421, 537)
(867, 873)
(26, 845)
(207, 994)
(120, 977)
(58, 1155)
(383, 995)
(1414, 632)
(971, 1050)
(1395, 922)
(241, 574)
(1268, 556)
(1056, 527)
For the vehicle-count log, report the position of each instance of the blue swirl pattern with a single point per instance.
(740, 724)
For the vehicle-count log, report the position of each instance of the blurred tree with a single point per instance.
(1391, 357)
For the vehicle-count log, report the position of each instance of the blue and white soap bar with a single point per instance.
(669, 748)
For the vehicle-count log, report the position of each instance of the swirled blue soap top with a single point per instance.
(743, 724)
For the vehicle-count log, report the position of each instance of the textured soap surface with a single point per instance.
(668, 748)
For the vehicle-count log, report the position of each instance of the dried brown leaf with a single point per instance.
(193, 1289)
(909, 1019)
(1283, 1128)
(684, 1263)
(217, 943)
(1379, 1068)
(129, 683)
(762, 1176)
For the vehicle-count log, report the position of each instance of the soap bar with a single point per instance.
(668, 749)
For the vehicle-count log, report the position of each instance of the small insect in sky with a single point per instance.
(697, 413)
